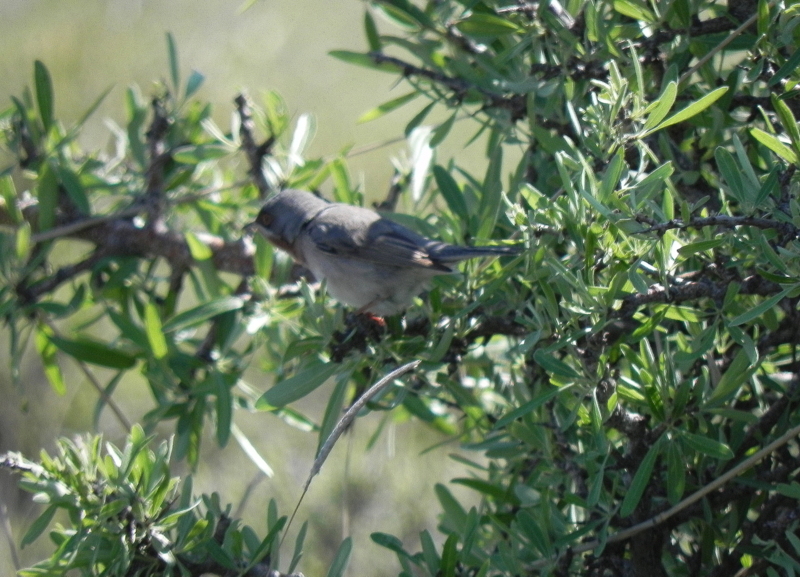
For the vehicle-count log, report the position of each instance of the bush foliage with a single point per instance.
(630, 382)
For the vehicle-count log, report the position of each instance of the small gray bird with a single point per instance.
(369, 262)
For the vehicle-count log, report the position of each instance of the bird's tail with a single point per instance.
(448, 253)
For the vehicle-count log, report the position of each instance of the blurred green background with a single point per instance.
(279, 45)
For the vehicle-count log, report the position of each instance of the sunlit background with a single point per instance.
(281, 45)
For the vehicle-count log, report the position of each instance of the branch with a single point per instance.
(255, 152)
(787, 230)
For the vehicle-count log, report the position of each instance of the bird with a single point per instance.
(369, 262)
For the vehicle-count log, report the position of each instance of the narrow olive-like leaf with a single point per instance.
(707, 446)
(203, 312)
(387, 107)
(364, 60)
(75, 190)
(693, 109)
(676, 473)
(661, 107)
(154, 331)
(371, 30)
(297, 386)
(761, 308)
(449, 557)
(553, 365)
(8, 191)
(441, 131)
(44, 93)
(787, 121)
(341, 559)
(39, 525)
(197, 248)
(701, 246)
(787, 68)
(298, 548)
(455, 516)
(738, 372)
(483, 24)
(94, 352)
(429, 552)
(451, 192)
(768, 188)
(47, 351)
(634, 9)
(333, 410)
(491, 195)
(640, 480)
(195, 154)
(528, 407)
(418, 118)
(612, 176)
(23, 241)
(389, 542)
(775, 145)
(47, 193)
(194, 83)
(174, 70)
(731, 173)
(223, 409)
(790, 490)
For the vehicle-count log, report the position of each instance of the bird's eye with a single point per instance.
(264, 218)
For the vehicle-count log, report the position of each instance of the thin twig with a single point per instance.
(123, 420)
(342, 426)
(728, 39)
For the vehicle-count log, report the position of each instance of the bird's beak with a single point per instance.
(251, 228)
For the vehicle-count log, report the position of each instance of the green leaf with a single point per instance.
(451, 193)
(732, 174)
(298, 386)
(9, 194)
(202, 313)
(418, 118)
(194, 83)
(738, 372)
(44, 93)
(47, 193)
(449, 557)
(692, 109)
(787, 68)
(199, 250)
(761, 308)
(676, 472)
(775, 145)
(787, 121)
(483, 24)
(39, 525)
(366, 60)
(707, 446)
(47, 351)
(341, 559)
(661, 107)
(701, 246)
(94, 352)
(612, 176)
(441, 131)
(553, 365)
(373, 38)
(387, 107)
(640, 480)
(527, 408)
(154, 331)
(174, 70)
(75, 191)
(634, 9)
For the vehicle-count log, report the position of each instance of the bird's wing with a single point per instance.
(363, 235)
